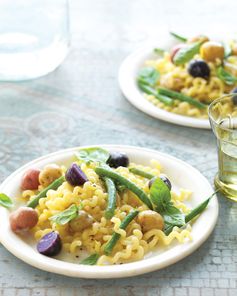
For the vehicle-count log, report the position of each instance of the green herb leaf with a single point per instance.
(65, 216)
(159, 50)
(179, 37)
(91, 260)
(173, 216)
(93, 154)
(5, 201)
(186, 53)
(193, 214)
(225, 76)
(160, 195)
(149, 76)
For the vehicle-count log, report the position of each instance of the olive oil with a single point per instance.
(226, 179)
(223, 119)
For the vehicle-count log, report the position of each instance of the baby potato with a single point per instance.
(211, 50)
(30, 180)
(23, 218)
(83, 221)
(49, 174)
(150, 220)
(234, 49)
(198, 38)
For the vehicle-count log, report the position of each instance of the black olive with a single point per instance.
(117, 159)
(199, 68)
(234, 98)
(163, 178)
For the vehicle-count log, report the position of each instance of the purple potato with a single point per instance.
(75, 176)
(50, 244)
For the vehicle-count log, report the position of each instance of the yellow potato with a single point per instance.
(49, 174)
(210, 51)
(150, 220)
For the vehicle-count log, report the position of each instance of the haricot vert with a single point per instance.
(53, 186)
(111, 205)
(116, 236)
(105, 172)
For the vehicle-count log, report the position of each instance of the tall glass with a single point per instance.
(223, 119)
(34, 37)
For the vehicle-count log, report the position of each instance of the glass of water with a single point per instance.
(223, 119)
(34, 37)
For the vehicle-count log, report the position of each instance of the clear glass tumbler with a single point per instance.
(223, 119)
(34, 37)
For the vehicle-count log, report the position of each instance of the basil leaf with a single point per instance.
(5, 201)
(93, 154)
(173, 216)
(178, 37)
(193, 214)
(65, 216)
(91, 260)
(186, 53)
(149, 76)
(225, 76)
(160, 195)
(158, 50)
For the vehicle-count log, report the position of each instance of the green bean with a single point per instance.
(199, 209)
(194, 213)
(35, 201)
(91, 260)
(111, 205)
(179, 37)
(181, 97)
(104, 172)
(141, 173)
(158, 50)
(120, 188)
(116, 236)
(151, 91)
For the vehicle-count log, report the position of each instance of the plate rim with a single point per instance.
(102, 272)
(131, 92)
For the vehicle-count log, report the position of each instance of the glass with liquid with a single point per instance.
(34, 37)
(223, 119)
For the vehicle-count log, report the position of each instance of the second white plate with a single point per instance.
(127, 81)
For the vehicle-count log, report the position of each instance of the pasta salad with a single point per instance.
(102, 209)
(186, 78)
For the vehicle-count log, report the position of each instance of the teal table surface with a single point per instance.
(81, 104)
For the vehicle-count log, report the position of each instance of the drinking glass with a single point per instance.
(34, 37)
(223, 119)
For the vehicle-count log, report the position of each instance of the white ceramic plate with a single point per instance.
(181, 175)
(127, 81)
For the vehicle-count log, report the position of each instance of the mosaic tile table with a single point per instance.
(80, 104)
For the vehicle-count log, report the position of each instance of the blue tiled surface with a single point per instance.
(81, 104)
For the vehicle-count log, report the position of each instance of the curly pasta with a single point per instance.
(177, 78)
(133, 244)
